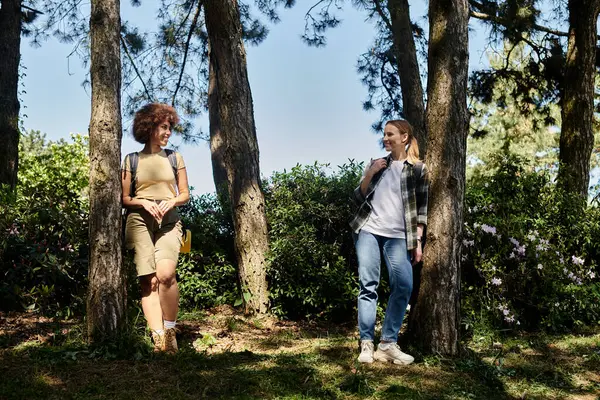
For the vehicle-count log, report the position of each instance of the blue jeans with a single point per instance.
(369, 248)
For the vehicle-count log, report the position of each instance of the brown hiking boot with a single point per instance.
(159, 341)
(170, 341)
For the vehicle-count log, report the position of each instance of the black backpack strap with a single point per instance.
(133, 164)
(172, 156)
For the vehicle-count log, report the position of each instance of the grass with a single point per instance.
(270, 359)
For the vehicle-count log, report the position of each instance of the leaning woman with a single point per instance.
(153, 228)
(392, 214)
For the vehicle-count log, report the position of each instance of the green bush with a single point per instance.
(312, 266)
(43, 228)
(529, 252)
(207, 275)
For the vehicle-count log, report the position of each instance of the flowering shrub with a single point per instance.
(43, 228)
(529, 252)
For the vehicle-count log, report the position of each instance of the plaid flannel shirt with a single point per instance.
(414, 197)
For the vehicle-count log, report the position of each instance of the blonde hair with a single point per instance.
(413, 146)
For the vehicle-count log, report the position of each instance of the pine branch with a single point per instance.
(137, 72)
(381, 13)
(187, 47)
(33, 10)
(501, 21)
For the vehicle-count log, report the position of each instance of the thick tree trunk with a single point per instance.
(234, 146)
(10, 43)
(577, 134)
(106, 292)
(408, 70)
(435, 323)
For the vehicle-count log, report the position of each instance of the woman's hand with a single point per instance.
(153, 209)
(417, 253)
(165, 206)
(376, 166)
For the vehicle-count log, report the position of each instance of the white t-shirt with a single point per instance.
(387, 209)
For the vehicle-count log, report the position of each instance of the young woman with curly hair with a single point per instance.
(392, 214)
(153, 229)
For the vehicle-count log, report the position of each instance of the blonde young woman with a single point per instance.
(153, 229)
(392, 214)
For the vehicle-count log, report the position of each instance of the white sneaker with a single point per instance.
(392, 353)
(366, 351)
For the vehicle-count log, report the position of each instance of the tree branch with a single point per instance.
(500, 21)
(33, 10)
(137, 72)
(381, 13)
(187, 47)
(381, 77)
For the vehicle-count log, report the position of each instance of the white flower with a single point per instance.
(514, 241)
(541, 247)
(488, 229)
(540, 266)
(468, 243)
(591, 274)
(496, 281)
(505, 312)
(577, 260)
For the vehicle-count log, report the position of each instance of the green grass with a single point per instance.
(294, 363)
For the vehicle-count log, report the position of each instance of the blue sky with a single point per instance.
(307, 101)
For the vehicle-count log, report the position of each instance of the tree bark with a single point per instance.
(436, 319)
(408, 70)
(234, 146)
(577, 134)
(10, 44)
(106, 292)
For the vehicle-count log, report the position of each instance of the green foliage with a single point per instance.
(528, 260)
(312, 266)
(43, 229)
(506, 122)
(207, 275)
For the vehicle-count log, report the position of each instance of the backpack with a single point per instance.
(133, 163)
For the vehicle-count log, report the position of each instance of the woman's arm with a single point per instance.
(182, 187)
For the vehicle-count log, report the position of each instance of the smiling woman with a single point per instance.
(155, 182)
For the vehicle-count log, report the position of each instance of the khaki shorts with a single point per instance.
(152, 243)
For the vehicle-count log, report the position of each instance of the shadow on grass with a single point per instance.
(326, 369)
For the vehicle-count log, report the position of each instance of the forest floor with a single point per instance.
(226, 355)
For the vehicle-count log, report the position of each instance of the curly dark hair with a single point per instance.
(149, 117)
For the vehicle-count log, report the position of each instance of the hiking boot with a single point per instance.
(159, 341)
(171, 341)
(392, 353)
(366, 351)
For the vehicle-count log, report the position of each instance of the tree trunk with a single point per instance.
(234, 146)
(106, 292)
(408, 70)
(435, 323)
(10, 43)
(577, 134)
